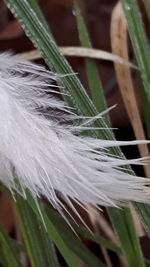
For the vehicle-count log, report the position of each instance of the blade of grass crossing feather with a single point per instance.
(39, 246)
(91, 68)
(147, 7)
(77, 96)
(8, 255)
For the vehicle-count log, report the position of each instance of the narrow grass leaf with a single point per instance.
(141, 49)
(37, 10)
(83, 232)
(122, 220)
(52, 232)
(147, 7)
(32, 222)
(147, 263)
(139, 41)
(8, 255)
(39, 246)
(73, 241)
(64, 239)
(91, 68)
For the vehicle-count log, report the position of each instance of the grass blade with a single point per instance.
(147, 263)
(64, 238)
(73, 242)
(34, 227)
(122, 220)
(91, 68)
(84, 232)
(147, 7)
(37, 10)
(39, 246)
(141, 50)
(8, 256)
(139, 41)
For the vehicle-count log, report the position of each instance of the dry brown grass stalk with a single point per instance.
(81, 52)
(119, 41)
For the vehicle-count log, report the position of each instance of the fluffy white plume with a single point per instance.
(46, 153)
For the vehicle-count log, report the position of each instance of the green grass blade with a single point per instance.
(37, 242)
(121, 221)
(73, 242)
(147, 263)
(52, 232)
(38, 245)
(8, 255)
(97, 239)
(139, 41)
(141, 50)
(82, 231)
(91, 68)
(64, 239)
(147, 7)
(37, 10)
(34, 227)
(77, 96)
(142, 53)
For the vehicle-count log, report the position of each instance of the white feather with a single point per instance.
(46, 154)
